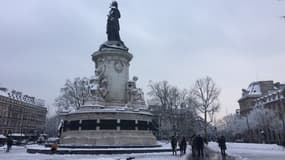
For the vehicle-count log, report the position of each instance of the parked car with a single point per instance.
(52, 140)
(19, 138)
(239, 140)
(2, 140)
(42, 139)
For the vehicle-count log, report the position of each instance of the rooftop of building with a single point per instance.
(271, 96)
(17, 95)
(258, 89)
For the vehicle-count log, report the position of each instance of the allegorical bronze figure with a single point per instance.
(113, 25)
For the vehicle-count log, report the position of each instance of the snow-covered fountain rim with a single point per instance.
(122, 150)
(89, 146)
(109, 110)
(158, 145)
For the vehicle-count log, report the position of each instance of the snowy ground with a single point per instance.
(243, 151)
(164, 145)
(250, 151)
(19, 153)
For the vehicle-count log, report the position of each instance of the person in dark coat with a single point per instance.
(183, 146)
(174, 145)
(222, 145)
(193, 145)
(9, 143)
(200, 145)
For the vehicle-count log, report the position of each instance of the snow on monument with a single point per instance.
(115, 113)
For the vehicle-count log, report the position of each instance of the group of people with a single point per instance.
(182, 145)
(197, 143)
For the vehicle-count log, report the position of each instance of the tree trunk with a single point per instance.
(205, 125)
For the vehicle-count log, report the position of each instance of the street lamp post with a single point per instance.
(262, 136)
(174, 130)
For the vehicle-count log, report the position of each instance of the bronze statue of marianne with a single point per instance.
(113, 25)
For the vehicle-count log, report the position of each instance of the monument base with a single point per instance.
(108, 127)
(99, 150)
(112, 138)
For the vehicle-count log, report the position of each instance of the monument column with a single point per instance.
(112, 69)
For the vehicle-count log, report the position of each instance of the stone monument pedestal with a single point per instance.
(108, 127)
(115, 113)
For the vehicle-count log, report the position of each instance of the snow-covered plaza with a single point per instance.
(250, 151)
(19, 153)
(241, 151)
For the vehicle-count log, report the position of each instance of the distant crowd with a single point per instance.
(197, 143)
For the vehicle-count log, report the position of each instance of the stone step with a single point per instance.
(97, 151)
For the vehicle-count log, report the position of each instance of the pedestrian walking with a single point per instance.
(222, 145)
(193, 145)
(174, 145)
(9, 143)
(200, 146)
(183, 146)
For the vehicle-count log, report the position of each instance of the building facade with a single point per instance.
(262, 93)
(274, 100)
(21, 113)
(266, 95)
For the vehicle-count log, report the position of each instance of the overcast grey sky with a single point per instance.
(45, 42)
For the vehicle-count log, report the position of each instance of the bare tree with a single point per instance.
(173, 108)
(159, 94)
(73, 94)
(159, 91)
(206, 96)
